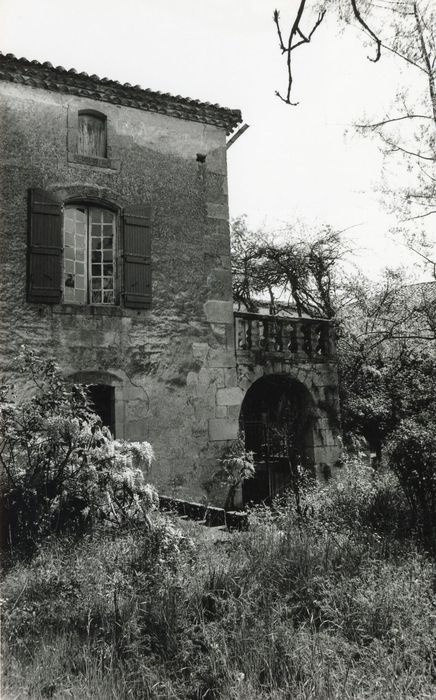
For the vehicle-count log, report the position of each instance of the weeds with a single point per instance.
(327, 606)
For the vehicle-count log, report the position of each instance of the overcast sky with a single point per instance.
(293, 162)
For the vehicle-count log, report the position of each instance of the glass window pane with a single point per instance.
(108, 216)
(69, 294)
(96, 256)
(96, 215)
(69, 280)
(96, 297)
(108, 298)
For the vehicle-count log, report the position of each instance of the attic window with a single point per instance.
(92, 137)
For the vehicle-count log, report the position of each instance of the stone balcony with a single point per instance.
(260, 338)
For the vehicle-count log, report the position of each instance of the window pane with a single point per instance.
(108, 298)
(96, 298)
(74, 255)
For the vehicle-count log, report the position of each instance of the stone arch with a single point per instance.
(279, 419)
(87, 192)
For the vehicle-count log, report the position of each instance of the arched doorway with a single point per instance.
(277, 417)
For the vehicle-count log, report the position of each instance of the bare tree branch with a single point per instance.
(420, 216)
(376, 125)
(426, 57)
(369, 31)
(295, 31)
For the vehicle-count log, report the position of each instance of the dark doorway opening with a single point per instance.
(102, 400)
(277, 418)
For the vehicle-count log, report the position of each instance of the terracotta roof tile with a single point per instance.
(44, 75)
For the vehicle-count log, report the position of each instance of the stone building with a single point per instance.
(115, 259)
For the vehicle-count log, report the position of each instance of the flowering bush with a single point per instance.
(60, 468)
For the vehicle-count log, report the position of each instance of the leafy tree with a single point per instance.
(60, 469)
(289, 271)
(387, 364)
(413, 458)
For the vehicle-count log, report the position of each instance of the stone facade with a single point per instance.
(167, 364)
(177, 380)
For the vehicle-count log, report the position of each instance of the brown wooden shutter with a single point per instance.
(45, 249)
(137, 256)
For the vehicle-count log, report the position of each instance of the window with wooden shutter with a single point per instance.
(92, 137)
(137, 257)
(45, 249)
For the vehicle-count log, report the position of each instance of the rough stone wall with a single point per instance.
(173, 366)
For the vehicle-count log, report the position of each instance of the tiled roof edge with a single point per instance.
(59, 79)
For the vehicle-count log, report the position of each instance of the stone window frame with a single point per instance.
(73, 156)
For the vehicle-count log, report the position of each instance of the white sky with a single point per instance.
(293, 162)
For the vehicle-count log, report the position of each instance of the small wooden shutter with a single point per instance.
(45, 249)
(137, 257)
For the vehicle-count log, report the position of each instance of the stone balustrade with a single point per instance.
(297, 338)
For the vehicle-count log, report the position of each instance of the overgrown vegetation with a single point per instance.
(329, 594)
(60, 468)
(335, 604)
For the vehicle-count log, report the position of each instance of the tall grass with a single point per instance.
(336, 604)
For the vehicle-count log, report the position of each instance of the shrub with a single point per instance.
(413, 458)
(60, 469)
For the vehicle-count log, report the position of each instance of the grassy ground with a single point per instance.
(338, 604)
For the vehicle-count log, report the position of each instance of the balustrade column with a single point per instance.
(286, 337)
(240, 328)
(254, 334)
